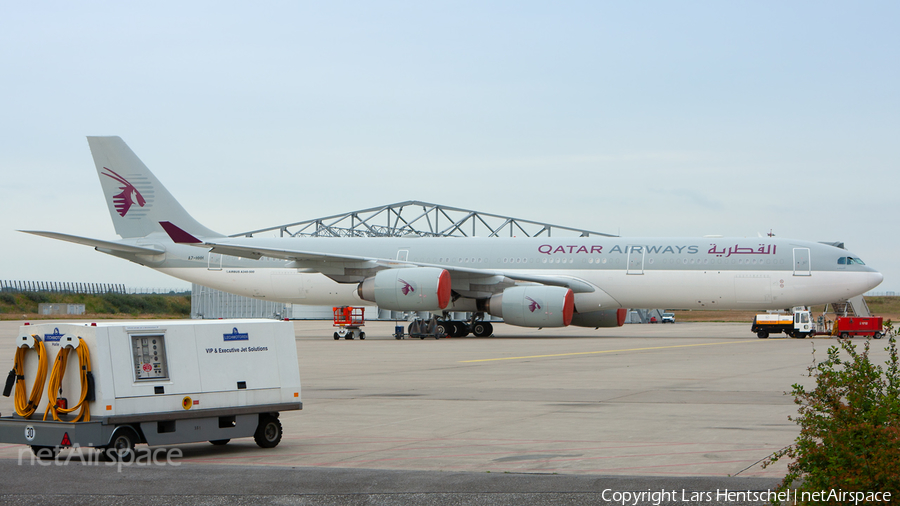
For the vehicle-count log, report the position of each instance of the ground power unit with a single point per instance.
(113, 385)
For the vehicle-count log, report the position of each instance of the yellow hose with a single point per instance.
(26, 407)
(55, 386)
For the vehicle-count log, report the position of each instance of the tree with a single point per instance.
(849, 424)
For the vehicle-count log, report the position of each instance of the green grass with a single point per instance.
(26, 303)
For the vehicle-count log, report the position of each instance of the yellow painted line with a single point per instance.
(604, 351)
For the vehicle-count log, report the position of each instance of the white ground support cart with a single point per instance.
(154, 382)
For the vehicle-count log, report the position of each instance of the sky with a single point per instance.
(633, 118)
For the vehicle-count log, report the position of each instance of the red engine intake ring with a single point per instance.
(621, 313)
(443, 291)
(568, 308)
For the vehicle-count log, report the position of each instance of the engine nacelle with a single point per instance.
(603, 318)
(412, 289)
(534, 306)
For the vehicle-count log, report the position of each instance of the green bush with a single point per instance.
(8, 298)
(849, 425)
(38, 297)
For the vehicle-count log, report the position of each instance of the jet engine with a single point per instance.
(408, 289)
(534, 306)
(603, 318)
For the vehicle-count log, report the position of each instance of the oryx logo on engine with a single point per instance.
(533, 306)
(406, 288)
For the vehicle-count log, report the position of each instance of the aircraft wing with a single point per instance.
(310, 258)
(97, 243)
(324, 262)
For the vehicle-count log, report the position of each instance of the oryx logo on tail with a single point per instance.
(129, 196)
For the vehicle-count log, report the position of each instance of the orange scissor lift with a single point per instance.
(349, 320)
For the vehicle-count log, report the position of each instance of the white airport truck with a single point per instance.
(799, 324)
(159, 382)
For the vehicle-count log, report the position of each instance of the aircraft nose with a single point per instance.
(874, 279)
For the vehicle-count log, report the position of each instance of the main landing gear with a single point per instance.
(445, 327)
(455, 328)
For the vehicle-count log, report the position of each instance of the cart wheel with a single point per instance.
(220, 442)
(362, 335)
(121, 448)
(877, 335)
(45, 452)
(336, 336)
(762, 334)
(845, 335)
(268, 432)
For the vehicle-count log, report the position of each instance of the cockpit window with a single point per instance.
(850, 261)
(842, 261)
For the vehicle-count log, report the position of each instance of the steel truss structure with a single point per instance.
(422, 219)
(402, 219)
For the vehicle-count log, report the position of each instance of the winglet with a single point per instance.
(179, 236)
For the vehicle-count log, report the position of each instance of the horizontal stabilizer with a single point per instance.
(97, 243)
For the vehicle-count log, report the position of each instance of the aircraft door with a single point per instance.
(801, 262)
(215, 261)
(635, 260)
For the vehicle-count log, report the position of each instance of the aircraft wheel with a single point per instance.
(450, 328)
(762, 334)
(445, 328)
(462, 330)
(482, 329)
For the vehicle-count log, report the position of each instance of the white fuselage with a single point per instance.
(686, 276)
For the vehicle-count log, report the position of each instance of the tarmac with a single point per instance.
(531, 416)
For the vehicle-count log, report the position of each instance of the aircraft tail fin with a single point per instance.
(137, 201)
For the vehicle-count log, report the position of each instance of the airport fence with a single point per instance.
(16, 286)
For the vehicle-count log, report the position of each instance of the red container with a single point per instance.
(848, 326)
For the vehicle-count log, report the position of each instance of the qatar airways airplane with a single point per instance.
(529, 282)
